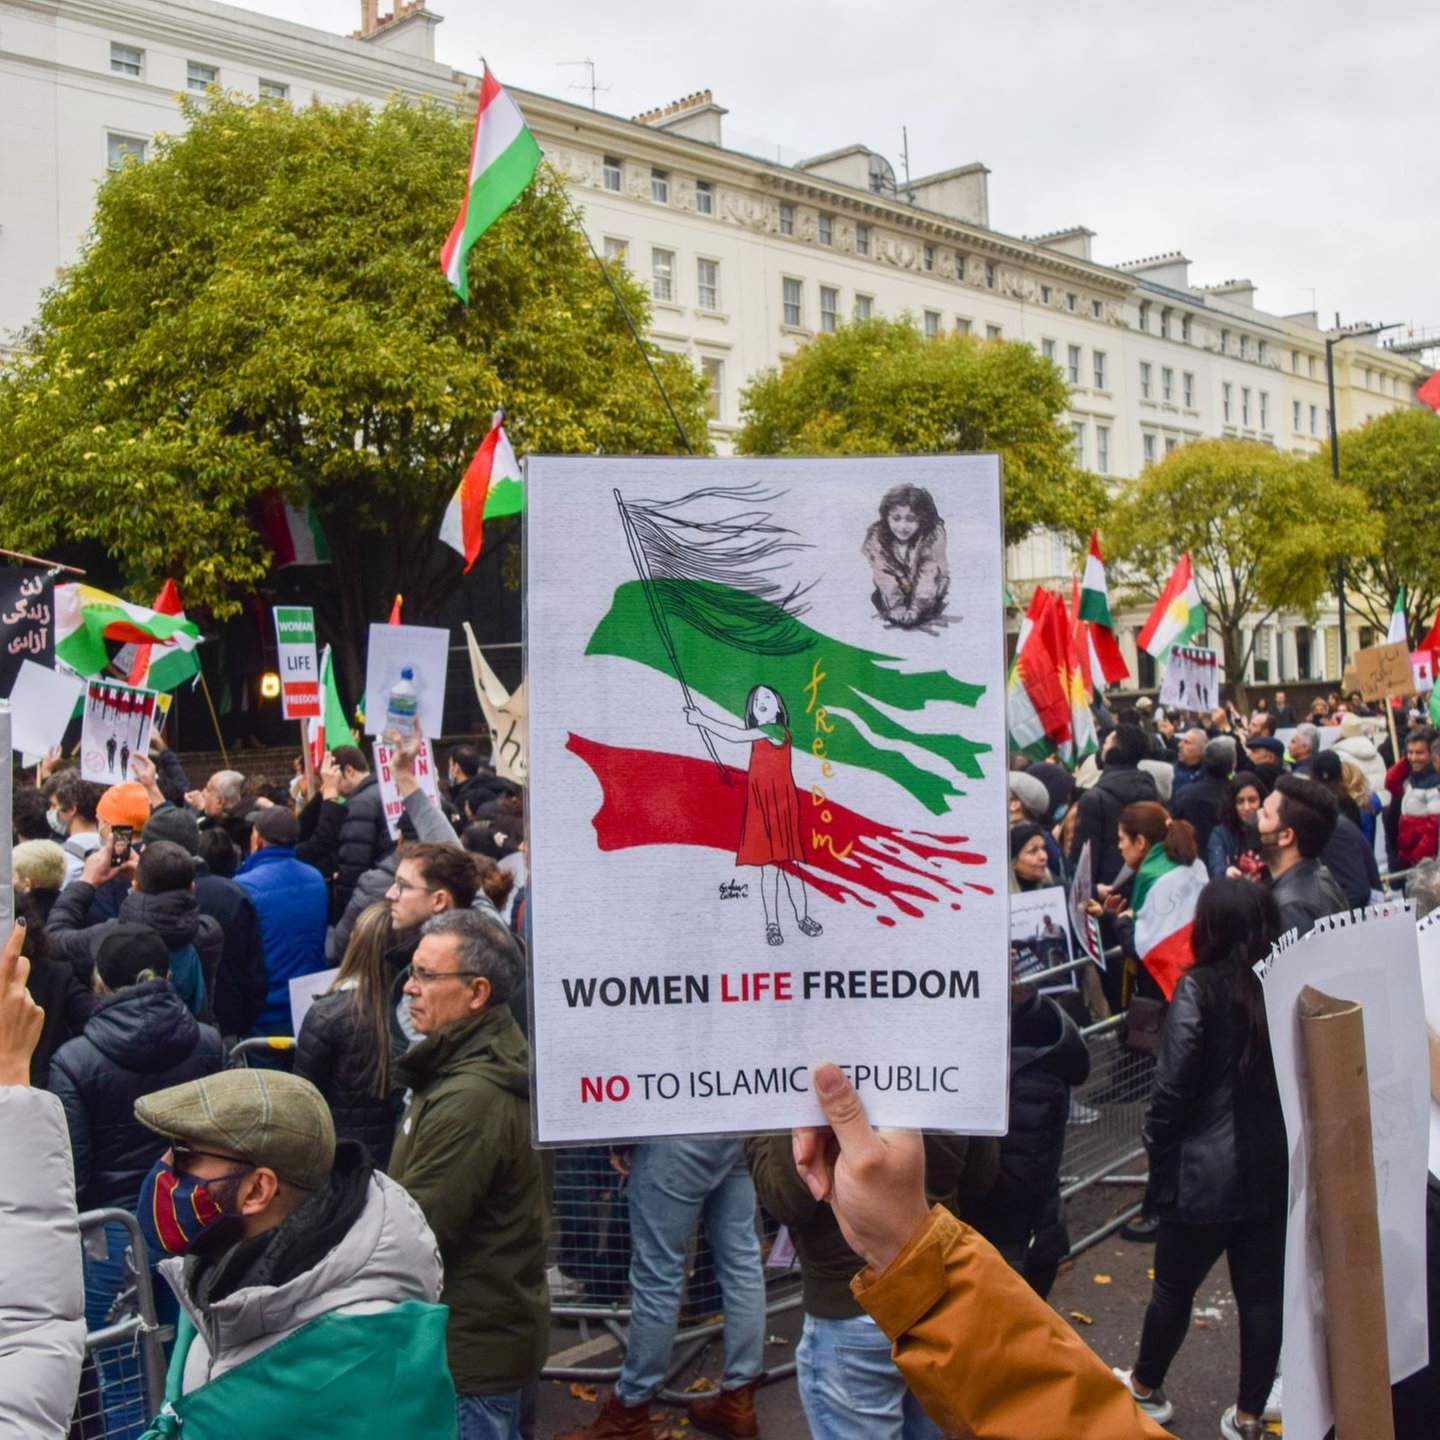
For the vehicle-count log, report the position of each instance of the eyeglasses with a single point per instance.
(423, 976)
(182, 1155)
(403, 887)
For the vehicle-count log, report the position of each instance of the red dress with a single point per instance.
(770, 831)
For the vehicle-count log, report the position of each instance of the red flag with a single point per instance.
(1431, 641)
(1079, 640)
(395, 611)
(167, 602)
(1429, 392)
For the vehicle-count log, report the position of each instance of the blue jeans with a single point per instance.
(850, 1387)
(488, 1417)
(674, 1186)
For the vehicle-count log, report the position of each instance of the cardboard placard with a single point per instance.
(390, 791)
(116, 724)
(423, 649)
(1192, 679)
(1382, 671)
(43, 704)
(768, 792)
(1040, 937)
(305, 990)
(1422, 671)
(299, 668)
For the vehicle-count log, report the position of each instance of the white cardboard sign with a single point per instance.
(116, 724)
(390, 791)
(305, 990)
(299, 669)
(42, 703)
(768, 793)
(1192, 679)
(420, 648)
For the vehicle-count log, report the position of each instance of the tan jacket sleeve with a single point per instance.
(984, 1353)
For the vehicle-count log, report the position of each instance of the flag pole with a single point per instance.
(54, 566)
(214, 720)
(662, 625)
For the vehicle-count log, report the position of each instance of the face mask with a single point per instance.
(176, 1210)
(57, 825)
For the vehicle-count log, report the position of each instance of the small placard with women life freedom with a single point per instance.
(299, 669)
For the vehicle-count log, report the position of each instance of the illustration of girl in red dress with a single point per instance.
(770, 831)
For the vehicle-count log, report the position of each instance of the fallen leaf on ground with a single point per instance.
(700, 1385)
(1201, 1323)
(1102, 1279)
(585, 1392)
(1081, 1318)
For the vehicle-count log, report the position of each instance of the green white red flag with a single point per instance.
(333, 727)
(1178, 615)
(491, 487)
(1107, 662)
(1164, 897)
(1398, 631)
(503, 160)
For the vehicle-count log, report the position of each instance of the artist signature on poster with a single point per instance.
(734, 890)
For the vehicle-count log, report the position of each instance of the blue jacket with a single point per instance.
(293, 904)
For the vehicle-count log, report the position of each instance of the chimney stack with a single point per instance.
(369, 16)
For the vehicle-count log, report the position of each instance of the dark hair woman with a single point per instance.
(343, 1048)
(1235, 840)
(906, 551)
(1218, 1155)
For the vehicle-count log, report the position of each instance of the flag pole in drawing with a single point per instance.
(1178, 615)
(503, 160)
(490, 488)
(1108, 663)
(1398, 631)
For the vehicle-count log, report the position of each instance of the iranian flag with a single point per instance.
(1178, 615)
(292, 533)
(503, 159)
(1038, 699)
(1398, 631)
(1164, 897)
(491, 487)
(1094, 609)
(85, 618)
(331, 728)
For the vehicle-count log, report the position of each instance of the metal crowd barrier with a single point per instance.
(122, 1384)
(269, 1046)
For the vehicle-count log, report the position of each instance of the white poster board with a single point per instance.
(1040, 936)
(719, 907)
(1192, 679)
(390, 791)
(1370, 957)
(299, 669)
(42, 703)
(1428, 935)
(304, 991)
(115, 725)
(1422, 670)
(423, 649)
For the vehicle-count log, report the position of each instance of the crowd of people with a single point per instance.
(373, 1164)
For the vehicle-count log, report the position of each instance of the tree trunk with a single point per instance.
(1234, 660)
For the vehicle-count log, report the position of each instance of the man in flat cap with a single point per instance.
(278, 1233)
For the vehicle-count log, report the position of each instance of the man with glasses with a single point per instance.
(464, 1153)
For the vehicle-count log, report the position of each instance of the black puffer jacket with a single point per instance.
(1023, 1212)
(1201, 803)
(364, 837)
(332, 1052)
(1217, 1144)
(240, 983)
(139, 1040)
(1099, 816)
(175, 917)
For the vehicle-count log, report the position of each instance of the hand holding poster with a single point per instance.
(115, 725)
(299, 669)
(1192, 679)
(396, 766)
(767, 792)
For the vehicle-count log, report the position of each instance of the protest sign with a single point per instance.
(1382, 671)
(768, 792)
(305, 990)
(1428, 937)
(43, 702)
(1082, 891)
(390, 792)
(1371, 957)
(504, 715)
(27, 606)
(299, 669)
(1422, 671)
(1192, 679)
(115, 725)
(1040, 936)
(419, 648)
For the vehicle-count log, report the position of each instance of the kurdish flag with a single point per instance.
(85, 618)
(1083, 738)
(503, 160)
(491, 487)
(1095, 611)
(1164, 897)
(1037, 700)
(1178, 615)
(161, 667)
(1398, 630)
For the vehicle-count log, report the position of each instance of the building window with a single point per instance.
(989, 274)
(1096, 310)
(1072, 366)
(1295, 363)
(1167, 385)
(198, 76)
(1047, 349)
(1170, 443)
(1102, 449)
(662, 275)
(862, 239)
(613, 174)
(1147, 445)
(1145, 672)
(790, 299)
(1185, 328)
(1077, 442)
(713, 369)
(1144, 379)
(1244, 347)
(927, 258)
(660, 186)
(1144, 320)
(962, 325)
(1264, 352)
(825, 229)
(617, 252)
(1187, 389)
(1072, 301)
(1224, 342)
(992, 332)
(787, 219)
(864, 306)
(119, 148)
(1164, 324)
(932, 324)
(1044, 294)
(1314, 419)
(1312, 366)
(1264, 409)
(707, 275)
(1296, 408)
(1244, 404)
(1097, 358)
(126, 59)
(829, 308)
(1226, 402)
(274, 90)
(704, 198)
(1304, 646)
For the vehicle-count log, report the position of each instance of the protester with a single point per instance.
(279, 1233)
(1030, 804)
(55, 987)
(1029, 859)
(73, 819)
(28, 812)
(363, 836)
(469, 787)
(1304, 747)
(1347, 855)
(42, 1301)
(221, 805)
(464, 1153)
(1356, 746)
(1219, 1160)
(1295, 824)
(344, 1046)
(1368, 807)
(1266, 756)
(1284, 715)
(1235, 838)
(1121, 783)
(985, 1354)
(292, 903)
(38, 870)
(1412, 821)
(1189, 754)
(1202, 801)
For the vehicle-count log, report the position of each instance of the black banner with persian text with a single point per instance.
(27, 621)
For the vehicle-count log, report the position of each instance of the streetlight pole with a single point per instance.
(1331, 341)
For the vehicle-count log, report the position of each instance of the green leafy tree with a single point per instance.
(1262, 529)
(879, 387)
(261, 306)
(1394, 461)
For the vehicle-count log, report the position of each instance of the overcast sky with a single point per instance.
(1282, 140)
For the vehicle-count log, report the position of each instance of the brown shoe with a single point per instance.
(727, 1413)
(616, 1421)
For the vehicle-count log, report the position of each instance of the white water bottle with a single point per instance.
(402, 706)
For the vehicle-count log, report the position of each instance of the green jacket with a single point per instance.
(464, 1153)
